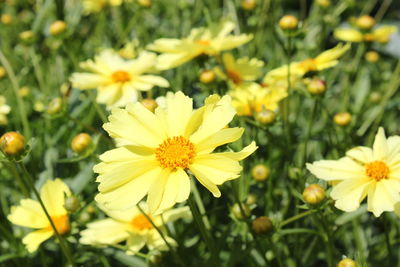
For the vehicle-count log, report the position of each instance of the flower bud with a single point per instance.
(342, 118)
(12, 143)
(251, 199)
(372, 56)
(313, 194)
(265, 116)
(54, 106)
(2, 72)
(260, 172)
(6, 19)
(84, 217)
(288, 22)
(207, 76)
(57, 27)
(145, 3)
(323, 3)
(241, 213)
(81, 142)
(150, 104)
(375, 97)
(72, 204)
(38, 106)
(24, 91)
(262, 225)
(248, 4)
(347, 263)
(365, 22)
(27, 37)
(316, 86)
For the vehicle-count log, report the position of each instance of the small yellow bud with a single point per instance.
(288, 22)
(54, 106)
(372, 56)
(57, 27)
(313, 194)
(27, 37)
(262, 225)
(207, 76)
(248, 4)
(150, 104)
(145, 3)
(316, 86)
(251, 199)
(24, 91)
(72, 204)
(342, 118)
(323, 3)
(260, 172)
(38, 106)
(241, 213)
(6, 19)
(12, 143)
(84, 217)
(265, 116)
(365, 22)
(81, 142)
(2, 72)
(375, 97)
(347, 263)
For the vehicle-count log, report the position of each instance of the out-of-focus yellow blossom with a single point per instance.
(342, 118)
(118, 81)
(208, 41)
(57, 27)
(94, 6)
(3, 72)
(255, 98)
(132, 226)
(24, 91)
(158, 148)
(372, 56)
(129, 50)
(288, 22)
(4, 110)
(325, 60)
(30, 214)
(6, 19)
(241, 70)
(365, 172)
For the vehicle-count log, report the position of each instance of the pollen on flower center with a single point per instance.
(308, 65)
(175, 152)
(140, 222)
(120, 76)
(234, 76)
(61, 223)
(377, 170)
(203, 42)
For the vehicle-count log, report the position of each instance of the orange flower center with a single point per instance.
(234, 76)
(203, 42)
(120, 76)
(175, 152)
(308, 65)
(377, 170)
(369, 37)
(140, 222)
(61, 223)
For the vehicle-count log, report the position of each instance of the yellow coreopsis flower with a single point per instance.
(208, 41)
(30, 214)
(4, 110)
(133, 227)
(380, 34)
(156, 150)
(365, 172)
(254, 98)
(94, 6)
(118, 81)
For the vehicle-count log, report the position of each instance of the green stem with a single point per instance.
(329, 241)
(296, 217)
(200, 205)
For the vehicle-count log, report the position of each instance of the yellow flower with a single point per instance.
(132, 226)
(158, 148)
(208, 41)
(242, 69)
(4, 110)
(380, 35)
(254, 98)
(365, 172)
(117, 80)
(95, 6)
(30, 214)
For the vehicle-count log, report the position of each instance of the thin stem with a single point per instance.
(297, 217)
(200, 205)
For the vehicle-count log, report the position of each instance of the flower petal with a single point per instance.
(29, 213)
(178, 113)
(383, 196)
(330, 170)
(349, 193)
(380, 147)
(135, 243)
(221, 137)
(157, 190)
(244, 153)
(361, 153)
(104, 232)
(33, 240)
(53, 195)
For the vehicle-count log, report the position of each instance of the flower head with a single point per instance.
(209, 41)
(95, 6)
(156, 150)
(365, 172)
(30, 214)
(118, 81)
(132, 226)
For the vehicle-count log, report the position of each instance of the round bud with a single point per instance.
(347, 263)
(207, 76)
(262, 225)
(54, 106)
(251, 199)
(316, 86)
(145, 3)
(57, 27)
(81, 142)
(84, 217)
(365, 22)
(24, 91)
(313, 194)
(6, 19)
(342, 118)
(288, 22)
(72, 204)
(241, 213)
(260, 172)
(12, 143)
(372, 56)
(27, 37)
(265, 116)
(248, 4)
(38, 106)
(3, 72)
(323, 3)
(150, 104)
(375, 97)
